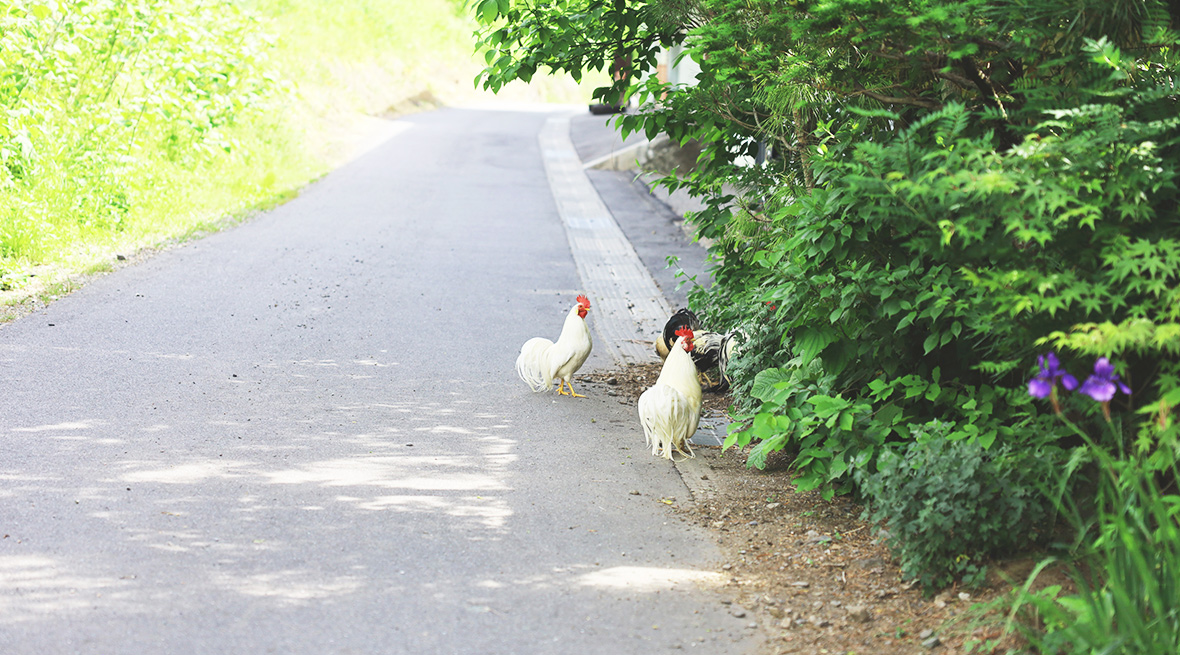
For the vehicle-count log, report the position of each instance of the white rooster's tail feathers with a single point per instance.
(671, 409)
(532, 365)
(667, 418)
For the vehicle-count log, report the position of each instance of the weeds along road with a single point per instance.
(305, 435)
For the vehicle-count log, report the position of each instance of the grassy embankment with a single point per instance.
(125, 127)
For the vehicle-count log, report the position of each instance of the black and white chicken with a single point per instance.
(712, 350)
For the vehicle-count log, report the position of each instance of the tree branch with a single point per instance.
(894, 100)
(967, 64)
(957, 79)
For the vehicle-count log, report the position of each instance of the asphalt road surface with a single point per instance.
(305, 435)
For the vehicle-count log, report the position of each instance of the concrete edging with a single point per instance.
(630, 303)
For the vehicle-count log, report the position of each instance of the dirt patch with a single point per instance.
(811, 572)
(629, 382)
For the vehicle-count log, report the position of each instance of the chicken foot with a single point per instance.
(571, 391)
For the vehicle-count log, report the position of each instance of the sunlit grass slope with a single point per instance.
(129, 125)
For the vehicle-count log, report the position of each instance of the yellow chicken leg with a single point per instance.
(571, 392)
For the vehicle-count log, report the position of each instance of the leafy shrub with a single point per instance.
(950, 505)
(824, 431)
(951, 186)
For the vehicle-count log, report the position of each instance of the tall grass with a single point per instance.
(1128, 581)
(126, 124)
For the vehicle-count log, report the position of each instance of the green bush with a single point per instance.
(952, 187)
(932, 247)
(949, 506)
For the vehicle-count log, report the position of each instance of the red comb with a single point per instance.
(684, 332)
(584, 301)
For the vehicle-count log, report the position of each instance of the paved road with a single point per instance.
(652, 227)
(304, 435)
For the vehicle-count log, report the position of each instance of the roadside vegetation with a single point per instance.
(947, 233)
(128, 125)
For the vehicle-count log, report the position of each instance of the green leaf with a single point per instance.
(817, 453)
(807, 482)
(826, 406)
(810, 341)
(846, 421)
(863, 456)
(930, 343)
(889, 415)
(757, 456)
(488, 10)
(827, 243)
(766, 383)
(987, 439)
(837, 469)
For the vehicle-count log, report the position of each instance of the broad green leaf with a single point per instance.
(807, 482)
(846, 421)
(837, 469)
(826, 406)
(488, 10)
(810, 341)
(988, 438)
(930, 343)
(766, 383)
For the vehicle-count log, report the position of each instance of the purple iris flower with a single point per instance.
(1102, 384)
(1042, 383)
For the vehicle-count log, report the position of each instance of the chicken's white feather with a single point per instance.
(531, 364)
(670, 411)
(541, 361)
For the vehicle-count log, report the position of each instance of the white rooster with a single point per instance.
(671, 410)
(542, 361)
